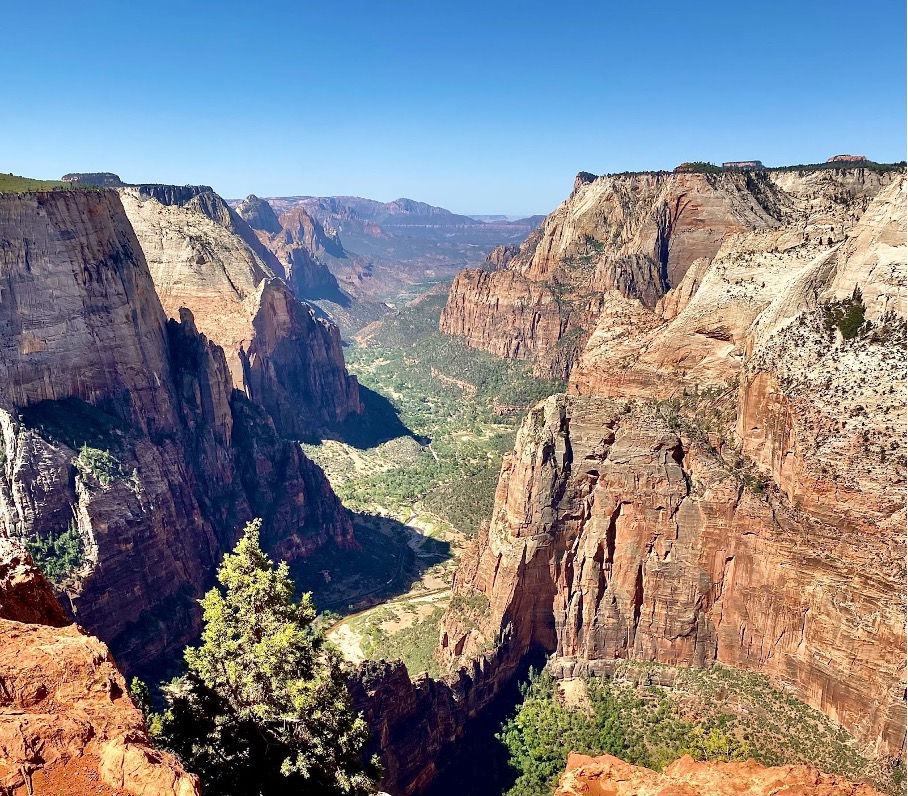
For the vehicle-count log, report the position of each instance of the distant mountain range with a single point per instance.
(408, 218)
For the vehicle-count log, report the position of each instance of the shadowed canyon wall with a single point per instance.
(121, 430)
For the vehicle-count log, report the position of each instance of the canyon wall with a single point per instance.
(67, 724)
(297, 240)
(639, 236)
(726, 480)
(204, 256)
(122, 435)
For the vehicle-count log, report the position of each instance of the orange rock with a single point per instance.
(67, 724)
(609, 776)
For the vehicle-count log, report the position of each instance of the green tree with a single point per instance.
(264, 705)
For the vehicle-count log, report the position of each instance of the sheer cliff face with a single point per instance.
(757, 518)
(201, 259)
(67, 725)
(614, 537)
(639, 236)
(122, 427)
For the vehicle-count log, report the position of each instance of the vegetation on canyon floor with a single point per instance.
(461, 409)
(455, 413)
(713, 714)
(263, 706)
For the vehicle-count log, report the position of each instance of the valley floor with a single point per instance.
(421, 480)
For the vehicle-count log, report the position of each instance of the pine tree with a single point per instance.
(264, 704)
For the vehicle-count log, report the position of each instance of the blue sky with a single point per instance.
(484, 107)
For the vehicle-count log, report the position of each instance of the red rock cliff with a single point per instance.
(614, 538)
(67, 725)
(760, 523)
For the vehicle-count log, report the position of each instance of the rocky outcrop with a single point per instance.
(104, 179)
(124, 446)
(67, 724)
(299, 244)
(614, 536)
(609, 776)
(500, 256)
(643, 235)
(258, 214)
(25, 594)
(200, 257)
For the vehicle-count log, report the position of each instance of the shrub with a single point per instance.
(98, 463)
(846, 315)
(58, 555)
(264, 706)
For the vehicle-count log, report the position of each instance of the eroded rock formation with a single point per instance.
(122, 434)
(641, 235)
(205, 257)
(297, 240)
(609, 776)
(67, 724)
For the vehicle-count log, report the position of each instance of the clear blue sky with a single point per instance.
(488, 107)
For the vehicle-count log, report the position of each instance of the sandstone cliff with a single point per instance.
(67, 725)
(747, 504)
(609, 776)
(279, 353)
(297, 240)
(121, 434)
(639, 236)
(614, 536)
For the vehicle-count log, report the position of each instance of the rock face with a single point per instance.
(297, 240)
(609, 776)
(725, 481)
(696, 336)
(202, 257)
(25, 594)
(613, 537)
(122, 434)
(413, 723)
(640, 236)
(67, 725)
(500, 256)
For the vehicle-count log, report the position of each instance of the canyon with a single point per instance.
(389, 249)
(720, 483)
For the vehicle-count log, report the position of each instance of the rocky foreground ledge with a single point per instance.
(67, 724)
(609, 776)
